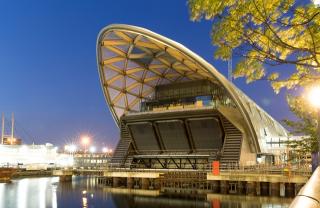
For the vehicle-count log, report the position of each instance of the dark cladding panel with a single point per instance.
(173, 135)
(144, 137)
(206, 133)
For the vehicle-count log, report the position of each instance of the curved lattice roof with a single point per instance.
(133, 60)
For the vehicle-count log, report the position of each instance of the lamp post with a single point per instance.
(314, 98)
(104, 149)
(92, 149)
(72, 148)
(85, 140)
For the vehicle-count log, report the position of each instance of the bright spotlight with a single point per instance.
(314, 96)
(316, 2)
(105, 149)
(92, 149)
(72, 148)
(66, 148)
(24, 148)
(85, 140)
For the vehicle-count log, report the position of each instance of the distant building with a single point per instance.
(175, 110)
(8, 140)
(33, 156)
(91, 160)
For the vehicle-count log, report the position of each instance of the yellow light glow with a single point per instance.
(72, 148)
(105, 149)
(92, 149)
(85, 140)
(314, 96)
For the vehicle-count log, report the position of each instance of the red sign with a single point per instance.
(215, 203)
(216, 168)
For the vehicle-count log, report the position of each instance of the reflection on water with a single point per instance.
(83, 192)
(25, 193)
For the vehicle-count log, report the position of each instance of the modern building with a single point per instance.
(91, 160)
(8, 140)
(174, 109)
(33, 157)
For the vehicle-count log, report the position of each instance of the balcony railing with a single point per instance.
(180, 107)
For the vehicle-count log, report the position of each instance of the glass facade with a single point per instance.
(187, 95)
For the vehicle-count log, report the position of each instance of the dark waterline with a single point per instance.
(83, 192)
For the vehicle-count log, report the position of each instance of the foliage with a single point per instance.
(265, 32)
(305, 125)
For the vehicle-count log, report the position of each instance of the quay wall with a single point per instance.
(195, 182)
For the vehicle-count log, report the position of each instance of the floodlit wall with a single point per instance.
(26, 155)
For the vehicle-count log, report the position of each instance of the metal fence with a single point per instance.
(232, 168)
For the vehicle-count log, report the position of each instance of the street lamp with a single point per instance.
(72, 148)
(314, 99)
(92, 149)
(66, 148)
(105, 150)
(316, 2)
(85, 140)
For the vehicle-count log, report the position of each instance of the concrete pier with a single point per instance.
(195, 182)
(282, 189)
(290, 192)
(224, 187)
(264, 187)
(215, 186)
(64, 175)
(130, 182)
(115, 182)
(274, 189)
(255, 177)
(145, 183)
(251, 188)
(258, 189)
(241, 189)
(65, 178)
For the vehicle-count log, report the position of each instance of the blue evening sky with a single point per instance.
(48, 72)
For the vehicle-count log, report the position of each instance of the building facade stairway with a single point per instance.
(232, 145)
(121, 152)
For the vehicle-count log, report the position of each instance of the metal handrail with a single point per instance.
(309, 195)
(232, 167)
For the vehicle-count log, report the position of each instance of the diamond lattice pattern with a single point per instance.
(133, 65)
